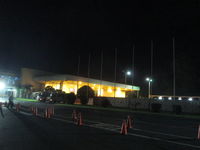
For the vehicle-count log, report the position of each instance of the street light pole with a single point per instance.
(127, 73)
(149, 89)
(149, 80)
(125, 79)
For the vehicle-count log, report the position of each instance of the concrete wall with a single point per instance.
(144, 104)
(28, 75)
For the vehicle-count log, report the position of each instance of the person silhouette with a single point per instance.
(1, 110)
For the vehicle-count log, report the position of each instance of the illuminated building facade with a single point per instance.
(70, 83)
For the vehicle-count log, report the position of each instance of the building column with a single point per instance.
(61, 85)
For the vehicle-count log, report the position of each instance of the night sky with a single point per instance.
(50, 35)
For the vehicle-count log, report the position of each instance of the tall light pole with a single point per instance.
(127, 73)
(149, 80)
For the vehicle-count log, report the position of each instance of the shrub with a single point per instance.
(70, 98)
(155, 107)
(84, 93)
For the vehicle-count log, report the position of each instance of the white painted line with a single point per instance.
(138, 135)
(25, 113)
(152, 132)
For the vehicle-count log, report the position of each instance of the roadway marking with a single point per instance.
(136, 135)
(119, 127)
(154, 132)
(99, 125)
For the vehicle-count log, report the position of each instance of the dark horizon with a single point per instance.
(50, 36)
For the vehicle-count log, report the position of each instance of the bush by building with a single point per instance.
(84, 93)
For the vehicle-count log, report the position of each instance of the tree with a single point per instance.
(70, 97)
(84, 93)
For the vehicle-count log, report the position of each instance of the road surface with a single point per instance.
(101, 130)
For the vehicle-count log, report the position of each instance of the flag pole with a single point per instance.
(101, 70)
(88, 74)
(152, 54)
(174, 69)
(115, 76)
(78, 70)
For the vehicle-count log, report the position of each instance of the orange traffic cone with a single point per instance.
(198, 137)
(17, 107)
(46, 113)
(124, 128)
(80, 120)
(129, 122)
(36, 111)
(33, 110)
(74, 115)
(52, 110)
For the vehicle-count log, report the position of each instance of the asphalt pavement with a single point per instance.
(101, 130)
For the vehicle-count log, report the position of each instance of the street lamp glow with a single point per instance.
(2, 85)
(128, 73)
(149, 80)
(190, 99)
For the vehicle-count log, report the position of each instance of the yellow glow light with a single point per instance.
(109, 90)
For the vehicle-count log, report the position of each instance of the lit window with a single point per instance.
(190, 99)
(109, 90)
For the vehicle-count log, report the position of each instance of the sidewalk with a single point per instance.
(14, 135)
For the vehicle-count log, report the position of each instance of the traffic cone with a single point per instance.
(124, 128)
(32, 110)
(80, 120)
(74, 115)
(36, 111)
(52, 110)
(17, 107)
(49, 112)
(45, 113)
(129, 122)
(198, 137)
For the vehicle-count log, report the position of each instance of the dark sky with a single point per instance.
(49, 35)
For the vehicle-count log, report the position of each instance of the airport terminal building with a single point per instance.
(71, 83)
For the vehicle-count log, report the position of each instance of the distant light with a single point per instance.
(149, 79)
(80, 82)
(190, 99)
(71, 90)
(128, 73)
(2, 85)
(179, 98)
(169, 98)
(109, 90)
(160, 97)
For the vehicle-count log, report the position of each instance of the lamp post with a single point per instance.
(149, 80)
(127, 73)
